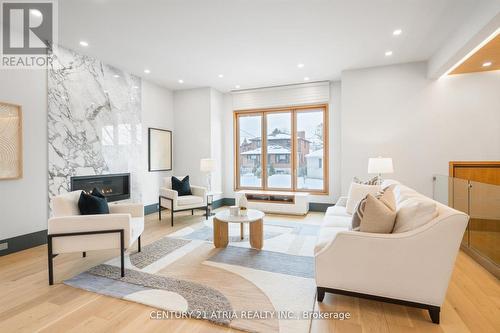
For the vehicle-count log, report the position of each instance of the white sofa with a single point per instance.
(411, 268)
(68, 231)
(171, 200)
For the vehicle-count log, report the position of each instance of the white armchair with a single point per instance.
(68, 231)
(170, 199)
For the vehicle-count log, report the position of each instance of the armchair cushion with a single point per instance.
(89, 204)
(189, 200)
(181, 186)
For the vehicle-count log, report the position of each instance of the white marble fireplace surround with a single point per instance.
(94, 121)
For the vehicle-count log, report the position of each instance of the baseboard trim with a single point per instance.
(150, 209)
(23, 242)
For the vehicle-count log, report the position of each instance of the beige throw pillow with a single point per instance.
(386, 196)
(357, 192)
(377, 217)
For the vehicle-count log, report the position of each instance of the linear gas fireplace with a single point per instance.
(114, 187)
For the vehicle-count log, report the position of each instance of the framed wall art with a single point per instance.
(159, 149)
(11, 141)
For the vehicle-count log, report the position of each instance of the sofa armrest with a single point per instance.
(199, 191)
(134, 209)
(168, 193)
(414, 266)
(342, 201)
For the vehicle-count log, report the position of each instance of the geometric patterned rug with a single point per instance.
(239, 287)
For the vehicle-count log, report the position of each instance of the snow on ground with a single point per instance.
(281, 181)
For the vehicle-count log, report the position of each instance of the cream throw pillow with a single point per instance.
(357, 192)
(413, 213)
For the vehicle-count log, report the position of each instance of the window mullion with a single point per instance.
(264, 151)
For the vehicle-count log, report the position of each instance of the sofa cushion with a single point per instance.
(357, 192)
(413, 213)
(337, 211)
(337, 221)
(326, 235)
(187, 200)
(402, 193)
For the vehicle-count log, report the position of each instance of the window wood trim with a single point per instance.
(293, 164)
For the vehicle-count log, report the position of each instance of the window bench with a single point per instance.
(294, 203)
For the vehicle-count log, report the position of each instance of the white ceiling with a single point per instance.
(256, 42)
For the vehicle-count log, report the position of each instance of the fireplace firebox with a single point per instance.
(115, 186)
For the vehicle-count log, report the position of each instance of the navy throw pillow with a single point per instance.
(90, 204)
(96, 193)
(181, 186)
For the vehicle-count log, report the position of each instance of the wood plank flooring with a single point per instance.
(29, 304)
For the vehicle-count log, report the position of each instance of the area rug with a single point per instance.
(269, 290)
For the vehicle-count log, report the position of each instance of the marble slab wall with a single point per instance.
(94, 121)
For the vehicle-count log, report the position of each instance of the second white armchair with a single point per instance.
(171, 200)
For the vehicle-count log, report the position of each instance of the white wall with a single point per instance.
(23, 202)
(395, 111)
(157, 112)
(216, 110)
(334, 137)
(192, 135)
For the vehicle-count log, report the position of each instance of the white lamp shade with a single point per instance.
(380, 165)
(207, 165)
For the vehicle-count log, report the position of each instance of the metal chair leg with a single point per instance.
(122, 253)
(139, 244)
(50, 261)
(159, 208)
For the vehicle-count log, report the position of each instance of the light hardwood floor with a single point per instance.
(29, 304)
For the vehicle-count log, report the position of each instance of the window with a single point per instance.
(282, 149)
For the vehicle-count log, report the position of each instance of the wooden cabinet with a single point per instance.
(478, 184)
(479, 171)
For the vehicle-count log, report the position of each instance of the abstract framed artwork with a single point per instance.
(11, 141)
(159, 149)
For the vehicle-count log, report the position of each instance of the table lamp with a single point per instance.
(208, 165)
(380, 165)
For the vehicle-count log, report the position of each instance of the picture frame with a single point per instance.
(159, 149)
(11, 139)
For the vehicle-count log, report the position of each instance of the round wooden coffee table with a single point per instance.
(255, 220)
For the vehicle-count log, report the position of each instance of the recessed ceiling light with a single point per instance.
(84, 43)
(116, 76)
(136, 87)
(36, 12)
(388, 53)
(220, 76)
(237, 86)
(306, 78)
(147, 71)
(181, 81)
(487, 64)
(300, 65)
(397, 32)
